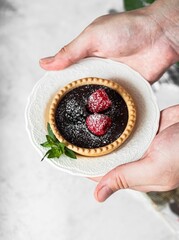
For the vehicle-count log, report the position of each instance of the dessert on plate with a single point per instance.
(92, 116)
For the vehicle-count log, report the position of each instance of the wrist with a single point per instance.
(166, 14)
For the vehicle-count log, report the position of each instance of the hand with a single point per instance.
(158, 170)
(136, 38)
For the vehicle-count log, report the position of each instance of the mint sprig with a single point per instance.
(56, 147)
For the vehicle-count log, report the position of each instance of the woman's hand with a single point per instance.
(137, 38)
(158, 170)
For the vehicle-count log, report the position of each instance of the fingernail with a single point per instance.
(47, 60)
(104, 193)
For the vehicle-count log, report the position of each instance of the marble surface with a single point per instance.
(38, 201)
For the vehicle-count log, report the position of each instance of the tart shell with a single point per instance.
(98, 81)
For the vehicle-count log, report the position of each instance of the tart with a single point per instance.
(92, 116)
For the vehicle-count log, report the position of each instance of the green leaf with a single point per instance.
(61, 146)
(50, 140)
(50, 132)
(133, 4)
(70, 153)
(45, 155)
(54, 153)
(46, 144)
(56, 147)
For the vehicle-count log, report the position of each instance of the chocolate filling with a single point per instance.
(71, 115)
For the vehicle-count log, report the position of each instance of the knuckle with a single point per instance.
(64, 49)
(120, 181)
(66, 54)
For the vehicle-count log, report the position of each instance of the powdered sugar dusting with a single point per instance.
(77, 132)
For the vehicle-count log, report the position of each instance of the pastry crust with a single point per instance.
(99, 81)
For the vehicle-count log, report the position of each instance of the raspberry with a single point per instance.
(98, 101)
(75, 113)
(98, 124)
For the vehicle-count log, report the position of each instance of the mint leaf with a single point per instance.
(50, 132)
(56, 147)
(50, 140)
(61, 146)
(70, 153)
(45, 155)
(46, 144)
(54, 153)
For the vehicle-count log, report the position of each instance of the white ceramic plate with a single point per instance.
(133, 149)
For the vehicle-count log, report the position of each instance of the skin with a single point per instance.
(148, 41)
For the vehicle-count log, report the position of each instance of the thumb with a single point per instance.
(69, 54)
(139, 175)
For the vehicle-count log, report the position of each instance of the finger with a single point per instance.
(77, 49)
(136, 175)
